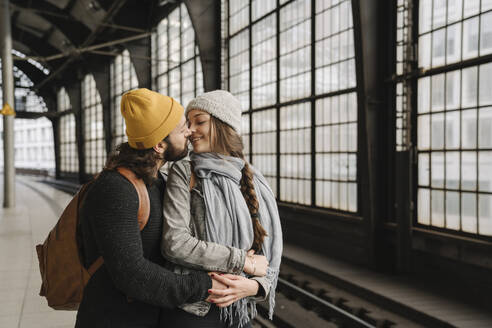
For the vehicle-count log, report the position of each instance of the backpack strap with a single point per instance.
(143, 209)
(96, 265)
(143, 196)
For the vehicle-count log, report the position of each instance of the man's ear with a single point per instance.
(160, 147)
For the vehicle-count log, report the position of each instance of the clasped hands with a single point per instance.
(228, 288)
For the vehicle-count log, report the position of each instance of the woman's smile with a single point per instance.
(194, 140)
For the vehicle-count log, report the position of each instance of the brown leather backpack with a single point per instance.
(62, 271)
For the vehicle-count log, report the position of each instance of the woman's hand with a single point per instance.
(255, 265)
(237, 287)
(216, 285)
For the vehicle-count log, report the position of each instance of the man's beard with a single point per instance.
(172, 154)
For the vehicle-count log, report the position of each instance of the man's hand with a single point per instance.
(237, 287)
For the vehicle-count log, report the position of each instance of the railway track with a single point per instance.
(305, 300)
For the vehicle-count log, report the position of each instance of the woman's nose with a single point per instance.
(188, 132)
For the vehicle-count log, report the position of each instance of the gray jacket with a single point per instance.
(183, 241)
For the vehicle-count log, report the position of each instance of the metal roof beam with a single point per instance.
(115, 7)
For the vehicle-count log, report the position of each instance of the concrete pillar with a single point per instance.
(141, 49)
(205, 17)
(370, 26)
(8, 97)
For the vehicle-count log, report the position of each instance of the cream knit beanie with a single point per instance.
(221, 104)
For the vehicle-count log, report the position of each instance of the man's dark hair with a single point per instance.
(143, 162)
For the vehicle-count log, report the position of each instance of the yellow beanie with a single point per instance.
(149, 117)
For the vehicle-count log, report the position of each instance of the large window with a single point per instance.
(295, 120)
(177, 70)
(33, 139)
(336, 116)
(123, 78)
(454, 115)
(95, 150)
(25, 98)
(69, 157)
(298, 96)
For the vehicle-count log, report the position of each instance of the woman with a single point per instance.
(218, 212)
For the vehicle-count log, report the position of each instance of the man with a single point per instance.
(132, 286)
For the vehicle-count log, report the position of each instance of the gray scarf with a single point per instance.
(228, 221)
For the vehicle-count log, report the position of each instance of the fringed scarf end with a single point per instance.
(273, 275)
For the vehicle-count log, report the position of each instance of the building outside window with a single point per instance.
(30, 135)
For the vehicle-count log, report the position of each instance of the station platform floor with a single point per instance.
(37, 209)
(39, 205)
